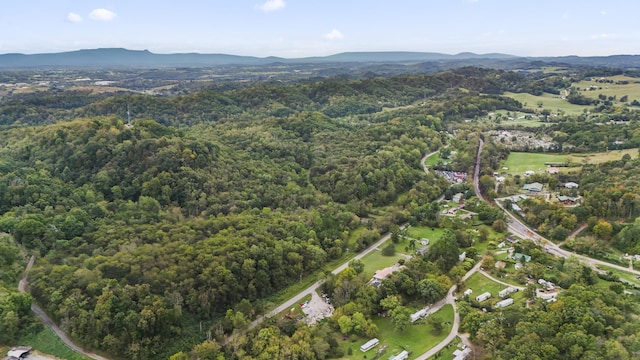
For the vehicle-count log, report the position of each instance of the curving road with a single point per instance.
(22, 287)
(298, 297)
(450, 299)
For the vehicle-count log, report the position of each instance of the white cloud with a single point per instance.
(74, 18)
(335, 34)
(272, 5)
(102, 15)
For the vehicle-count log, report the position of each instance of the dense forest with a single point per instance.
(208, 203)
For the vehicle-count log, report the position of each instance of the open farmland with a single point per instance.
(593, 87)
(519, 162)
(550, 102)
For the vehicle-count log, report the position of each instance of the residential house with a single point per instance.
(19, 352)
(402, 356)
(369, 345)
(468, 292)
(571, 185)
(504, 303)
(500, 265)
(519, 256)
(568, 200)
(533, 187)
(461, 354)
(507, 291)
(482, 297)
(420, 314)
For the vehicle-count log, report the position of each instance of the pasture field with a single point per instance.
(550, 102)
(519, 162)
(632, 89)
(596, 158)
(416, 339)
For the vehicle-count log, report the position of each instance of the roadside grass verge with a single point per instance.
(47, 342)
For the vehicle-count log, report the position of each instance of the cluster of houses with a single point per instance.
(548, 292)
(374, 342)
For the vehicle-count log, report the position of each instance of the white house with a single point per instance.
(462, 256)
(571, 185)
(482, 297)
(504, 303)
(402, 356)
(19, 352)
(422, 313)
(507, 291)
(529, 173)
(461, 354)
(369, 345)
(546, 295)
(468, 292)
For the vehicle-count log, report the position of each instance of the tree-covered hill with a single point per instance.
(145, 228)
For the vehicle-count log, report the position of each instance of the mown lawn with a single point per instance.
(519, 162)
(419, 232)
(433, 159)
(480, 284)
(416, 339)
(376, 261)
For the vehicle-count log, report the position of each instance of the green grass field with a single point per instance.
(416, 339)
(419, 232)
(550, 102)
(519, 162)
(47, 342)
(433, 159)
(376, 261)
(632, 89)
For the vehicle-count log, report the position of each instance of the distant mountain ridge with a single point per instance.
(119, 57)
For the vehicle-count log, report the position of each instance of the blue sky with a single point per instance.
(299, 28)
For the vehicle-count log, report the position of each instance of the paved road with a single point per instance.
(450, 299)
(297, 298)
(22, 287)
